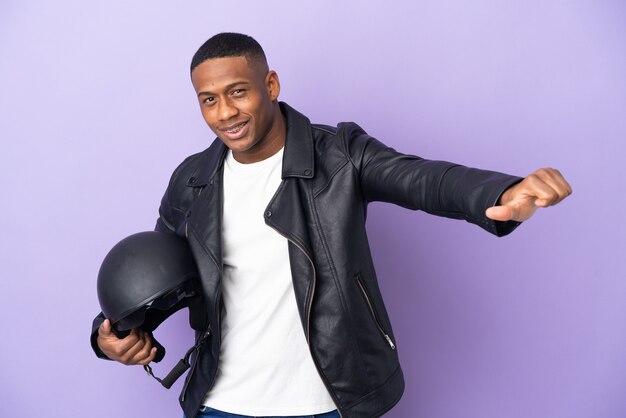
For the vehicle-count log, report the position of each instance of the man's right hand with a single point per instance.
(136, 348)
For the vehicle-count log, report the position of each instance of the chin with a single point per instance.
(239, 145)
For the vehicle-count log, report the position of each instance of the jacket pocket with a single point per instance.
(370, 307)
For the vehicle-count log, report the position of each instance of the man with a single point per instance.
(274, 213)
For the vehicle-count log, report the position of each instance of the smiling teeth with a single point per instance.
(235, 129)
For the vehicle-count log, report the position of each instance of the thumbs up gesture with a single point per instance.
(545, 187)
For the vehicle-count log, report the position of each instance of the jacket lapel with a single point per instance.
(204, 217)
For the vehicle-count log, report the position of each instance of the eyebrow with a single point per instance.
(228, 87)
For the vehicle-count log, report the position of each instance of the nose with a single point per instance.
(226, 110)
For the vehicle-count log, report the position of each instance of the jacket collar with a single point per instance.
(298, 154)
(297, 157)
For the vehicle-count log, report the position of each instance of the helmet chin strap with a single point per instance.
(183, 365)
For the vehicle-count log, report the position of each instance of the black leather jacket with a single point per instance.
(329, 174)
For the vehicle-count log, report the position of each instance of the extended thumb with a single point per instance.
(499, 213)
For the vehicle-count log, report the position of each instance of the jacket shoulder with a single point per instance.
(186, 169)
(181, 191)
(343, 129)
(345, 133)
(355, 143)
(323, 129)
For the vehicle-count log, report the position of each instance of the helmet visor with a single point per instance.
(166, 302)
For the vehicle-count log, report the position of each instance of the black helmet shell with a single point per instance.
(140, 269)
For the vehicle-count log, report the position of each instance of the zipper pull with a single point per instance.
(391, 344)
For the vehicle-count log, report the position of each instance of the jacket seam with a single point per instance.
(205, 248)
(330, 179)
(346, 152)
(328, 130)
(439, 202)
(375, 390)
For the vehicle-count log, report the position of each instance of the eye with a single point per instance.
(239, 92)
(209, 101)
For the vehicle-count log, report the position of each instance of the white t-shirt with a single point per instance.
(265, 366)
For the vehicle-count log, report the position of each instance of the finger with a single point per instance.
(129, 354)
(135, 341)
(537, 186)
(150, 358)
(110, 344)
(500, 213)
(560, 184)
(554, 180)
(122, 349)
(104, 329)
(144, 356)
(151, 351)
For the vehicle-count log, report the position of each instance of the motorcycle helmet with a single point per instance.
(144, 279)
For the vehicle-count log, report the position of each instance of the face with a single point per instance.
(238, 101)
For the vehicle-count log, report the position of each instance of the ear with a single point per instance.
(272, 84)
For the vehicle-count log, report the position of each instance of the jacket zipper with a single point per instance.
(219, 334)
(189, 376)
(206, 334)
(195, 359)
(373, 314)
(308, 314)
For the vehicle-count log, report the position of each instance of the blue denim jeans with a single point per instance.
(206, 412)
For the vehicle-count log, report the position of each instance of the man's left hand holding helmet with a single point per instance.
(135, 348)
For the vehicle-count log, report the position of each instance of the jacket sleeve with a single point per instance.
(437, 187)
(99, 319)
(164, 222)
(167, 212)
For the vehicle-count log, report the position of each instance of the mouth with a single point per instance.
(236, 131)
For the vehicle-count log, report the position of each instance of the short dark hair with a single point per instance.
(229, 44)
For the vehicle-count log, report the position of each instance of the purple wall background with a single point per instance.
(96, 109)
